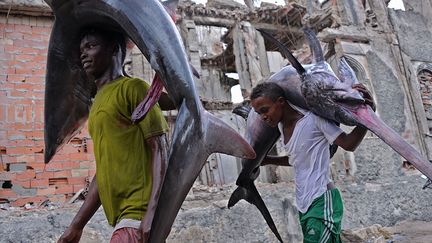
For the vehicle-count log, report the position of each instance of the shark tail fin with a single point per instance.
(252, 196)
(221, 138)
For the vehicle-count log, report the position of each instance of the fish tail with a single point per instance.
(252, 196)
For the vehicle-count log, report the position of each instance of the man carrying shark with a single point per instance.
(306, 138)
(130, 158)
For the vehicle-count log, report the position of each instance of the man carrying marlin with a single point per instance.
(130, 158)
(306, 138)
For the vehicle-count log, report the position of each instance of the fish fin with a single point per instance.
(285, 52)
(194, 141)
(238, 194)
(68, 92)
(314, 45)
(171, 7)
(194, 71)
(221, 138)
(252, 196)
(242, 110)
(346, 73)
(367, 117)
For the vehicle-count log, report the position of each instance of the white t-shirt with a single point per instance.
(308, 152)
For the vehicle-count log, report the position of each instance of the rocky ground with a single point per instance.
(203, 218)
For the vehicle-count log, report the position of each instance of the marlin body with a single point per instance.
(315, 87)
(197, 133)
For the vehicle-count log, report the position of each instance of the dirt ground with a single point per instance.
(45, 224)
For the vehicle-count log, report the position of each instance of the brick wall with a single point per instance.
(24, 178)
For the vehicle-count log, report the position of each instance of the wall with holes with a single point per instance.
(24, 178)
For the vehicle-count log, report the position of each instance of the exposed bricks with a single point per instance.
(23, 57)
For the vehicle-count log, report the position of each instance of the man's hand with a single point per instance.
(366, 95)
(144, 230)
(71, 235)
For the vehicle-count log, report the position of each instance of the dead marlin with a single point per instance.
(315, 87)
(197, 133)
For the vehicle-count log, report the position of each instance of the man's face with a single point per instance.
(96, 55)
(270, 111)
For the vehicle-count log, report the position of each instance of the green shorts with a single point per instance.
(323, 220)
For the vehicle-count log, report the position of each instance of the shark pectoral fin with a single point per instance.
(194, 71)
(149, 101)
(220, 138)
(252, 196)
(346, 73)
(367, 117)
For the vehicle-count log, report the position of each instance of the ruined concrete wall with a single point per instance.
(384, 51)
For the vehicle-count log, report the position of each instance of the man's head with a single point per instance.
(268, 100)
(99, 48)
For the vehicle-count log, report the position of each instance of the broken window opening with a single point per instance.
(7, 185)
(396, 4)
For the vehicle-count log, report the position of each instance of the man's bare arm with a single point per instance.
(159, 147)
(88, 209)
(352, 140)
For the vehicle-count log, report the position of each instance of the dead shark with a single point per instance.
(314, 87)
(197, 133)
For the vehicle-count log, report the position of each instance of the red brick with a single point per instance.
(87, 164)
(37, 166)
(19, 150)
(53, 166)
(64, 173)
(46, 191)
(39, 183)
(78, 156)
(29, 174)
(91, 173)
(23, 28)
(76, 180)
(23, 201)
(71, 164)
(7, 193)
(26, 158)
(44, 175)
(64, 189)
(77, 188)
(7, 176)
(23, 183)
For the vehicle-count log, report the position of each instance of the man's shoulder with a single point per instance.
(135, 83)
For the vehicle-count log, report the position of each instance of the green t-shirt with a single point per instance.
(123, 167)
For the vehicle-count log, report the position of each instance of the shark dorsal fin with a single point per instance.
(285, 52)
(314, 45)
